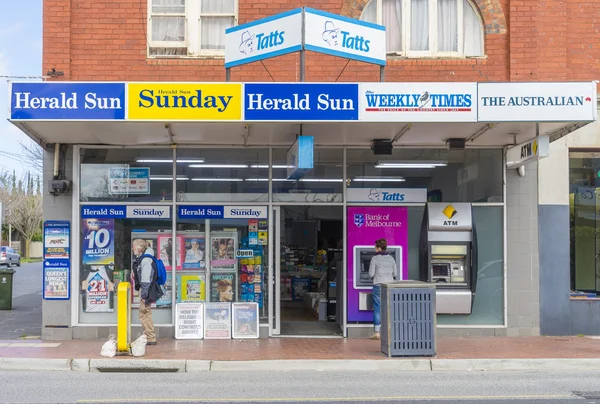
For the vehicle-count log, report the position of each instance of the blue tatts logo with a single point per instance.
(247, 44)
(331, 35)
(359, 219)
(250, 43)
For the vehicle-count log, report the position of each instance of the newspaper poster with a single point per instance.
(56, 239)
(217, 321)
(189, 321)
(56, 279)
(245, 320)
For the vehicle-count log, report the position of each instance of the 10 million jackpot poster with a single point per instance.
(98, 257)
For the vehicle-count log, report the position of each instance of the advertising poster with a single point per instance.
(128, 180)
(245, 320)
(300, 287)
(189, 321)
(286, 287)
(194, 247)
(223, 253)
(365, 226)
(192, 288)
(98, 290)
(56, 280)
(222, 287)
(165, 251)
(217, 321)
(98, 241)
(56, 240)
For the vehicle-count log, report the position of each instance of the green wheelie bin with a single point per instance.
(6, 288)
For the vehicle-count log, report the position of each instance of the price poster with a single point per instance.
(245, 320)
(56, 240)
(98, 241)
(189, 321)
(217, 321)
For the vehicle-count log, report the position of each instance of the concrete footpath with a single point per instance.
(310, 354)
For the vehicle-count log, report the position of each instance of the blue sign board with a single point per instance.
(300, 157)
(72, 101)
(56, 280)
(201, 212)
(300, 102)
(103, 212)
(57, 239)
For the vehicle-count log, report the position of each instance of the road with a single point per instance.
(25, 319)
(300, 387)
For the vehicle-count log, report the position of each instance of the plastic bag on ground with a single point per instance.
(138, 347)
(109, 349)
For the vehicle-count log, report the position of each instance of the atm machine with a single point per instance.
(362, 281)
(448, 255)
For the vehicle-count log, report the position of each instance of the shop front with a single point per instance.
(271, 196)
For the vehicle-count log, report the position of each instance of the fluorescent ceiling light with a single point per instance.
(266, 179)
(321, 180)
(379, 179)
(410, 164)
(219, 165)
(218, 179)
(168, 178)
(169, 160)
(266, 166)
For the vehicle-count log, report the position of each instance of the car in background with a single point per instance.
(9, 257)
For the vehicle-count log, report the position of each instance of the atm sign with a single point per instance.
(450, 212)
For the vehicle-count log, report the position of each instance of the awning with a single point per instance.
(273, 114)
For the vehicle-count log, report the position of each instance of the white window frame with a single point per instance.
(433, 30)
(167, 44)
(193, 17)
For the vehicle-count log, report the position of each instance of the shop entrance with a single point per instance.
(308, 268)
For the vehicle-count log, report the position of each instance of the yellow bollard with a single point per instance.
(123, 317)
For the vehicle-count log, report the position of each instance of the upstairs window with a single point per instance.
(189, 27)
(428, 27)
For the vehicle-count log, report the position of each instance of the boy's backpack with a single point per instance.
(161, 271)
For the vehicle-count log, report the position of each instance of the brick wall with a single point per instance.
(526, 40)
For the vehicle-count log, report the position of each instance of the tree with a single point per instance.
(25, 214)
(33, 155)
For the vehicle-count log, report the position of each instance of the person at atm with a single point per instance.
(382, 269)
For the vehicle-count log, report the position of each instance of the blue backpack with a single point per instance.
(161, 271)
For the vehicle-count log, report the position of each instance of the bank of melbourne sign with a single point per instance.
(537, 102)
(300, 102)
(418, 102)
(344, 37)
(67, 101)
(184, 101)
(263, 39)
(305, 29)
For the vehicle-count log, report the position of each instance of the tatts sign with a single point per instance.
(184, 101)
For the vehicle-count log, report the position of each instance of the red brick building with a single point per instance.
(535, 40)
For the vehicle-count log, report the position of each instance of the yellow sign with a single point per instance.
(449, 211)
(184, 101)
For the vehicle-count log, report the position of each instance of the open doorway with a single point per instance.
(311, 259)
